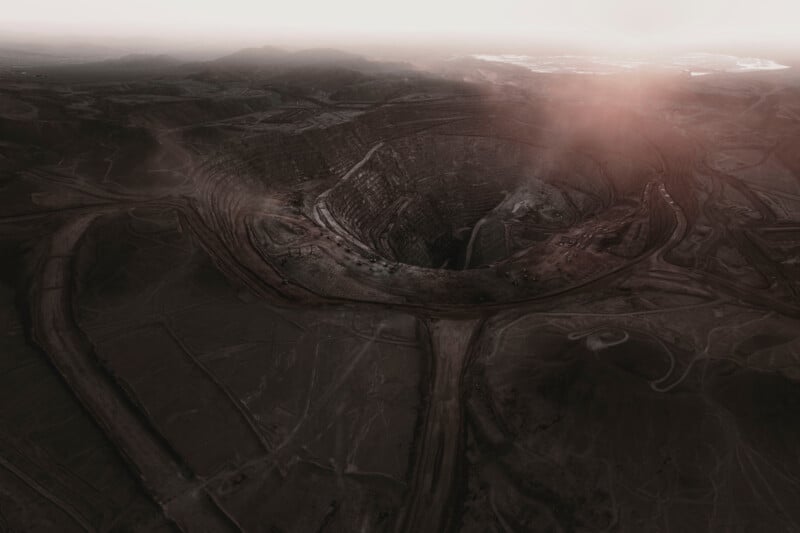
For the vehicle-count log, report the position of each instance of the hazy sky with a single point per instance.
(613, 22)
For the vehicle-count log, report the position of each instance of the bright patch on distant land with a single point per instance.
(696, 64)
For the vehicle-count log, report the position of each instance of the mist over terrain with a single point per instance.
(416, 268)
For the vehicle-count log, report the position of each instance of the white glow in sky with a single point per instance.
(615, 22)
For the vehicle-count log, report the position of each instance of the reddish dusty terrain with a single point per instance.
(309, 292)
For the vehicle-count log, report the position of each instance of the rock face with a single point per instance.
(308, 292)
(417, 199)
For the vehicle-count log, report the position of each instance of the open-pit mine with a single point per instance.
(305, 291)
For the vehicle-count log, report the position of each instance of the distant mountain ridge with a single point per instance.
(269, 60)
(273, 57)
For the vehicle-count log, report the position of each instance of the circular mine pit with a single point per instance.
(447, 201)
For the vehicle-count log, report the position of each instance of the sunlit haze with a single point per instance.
(411, 266)
(614, 24)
